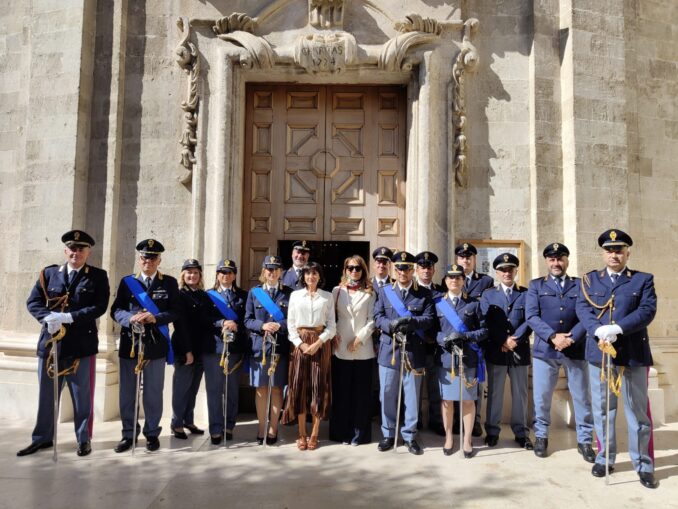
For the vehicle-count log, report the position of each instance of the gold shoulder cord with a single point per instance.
(607, 349)
(453, 374)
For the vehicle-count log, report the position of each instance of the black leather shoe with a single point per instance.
(35, 447)
(587, 452)
(413, 447)
(217, 439)
(229, 435)
(260, 440)
(124, 445)
(540, 446)
(469, 454)
(181, 435)
(152, 443)
(84, 448)
(447, 452)
(524, 442)
(598, 470)
(647, 479)
(477, 430)
(386, 444)
(194, 429)
(271, 440)
(491, 440)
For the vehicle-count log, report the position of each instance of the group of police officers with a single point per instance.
(578, 324)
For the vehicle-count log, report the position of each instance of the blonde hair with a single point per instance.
(182, 280)
(262, 278)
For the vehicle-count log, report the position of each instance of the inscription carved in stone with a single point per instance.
(325, 53)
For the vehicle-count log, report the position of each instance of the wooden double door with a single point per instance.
(322, 163)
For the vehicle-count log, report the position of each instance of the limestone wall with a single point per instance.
(572, 128)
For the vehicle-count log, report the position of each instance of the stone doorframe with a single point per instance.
(220, 56)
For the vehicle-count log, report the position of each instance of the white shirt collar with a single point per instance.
(143, 276)
(223, 288)
(71, 270)
(610, 272)
(405, 288)
(451, 295)
(504, 287)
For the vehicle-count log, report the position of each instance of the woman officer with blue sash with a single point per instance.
(229, 317)
(266, 321)
(461, 325)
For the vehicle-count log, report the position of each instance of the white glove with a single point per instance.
(602, 332)
(612, 332)
(53, 318)
(615, 329)
(64, 317)
(53, 327)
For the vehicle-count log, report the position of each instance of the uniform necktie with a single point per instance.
(271, 292)
(559, 281)
(455, 300)
(508, 294)
(381, 283)
(614, 278)
(403, 294)
(147, 282)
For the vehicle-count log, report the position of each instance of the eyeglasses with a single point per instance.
(354, 268)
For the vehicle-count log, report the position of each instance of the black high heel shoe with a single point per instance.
(447, 452)
(469, 454)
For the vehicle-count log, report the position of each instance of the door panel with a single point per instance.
(322, 163)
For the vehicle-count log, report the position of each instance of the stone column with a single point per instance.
(595, 165)
(428, 167)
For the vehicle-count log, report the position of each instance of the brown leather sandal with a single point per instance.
(312, 443)
(302, 443)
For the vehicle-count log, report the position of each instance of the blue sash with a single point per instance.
(145, 300)
(399, 306)
(220, 302)
(451, 315)
(268, 303)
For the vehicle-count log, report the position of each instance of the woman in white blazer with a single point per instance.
(353, 360)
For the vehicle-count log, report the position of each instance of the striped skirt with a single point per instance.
(310, 380)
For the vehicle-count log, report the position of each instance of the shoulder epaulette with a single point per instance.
(160, 275)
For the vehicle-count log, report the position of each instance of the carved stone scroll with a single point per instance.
(319, 53)
(326, 14)
(259, 53)
(187, 58)
(466, 61)
(414, 31)
(236, 22)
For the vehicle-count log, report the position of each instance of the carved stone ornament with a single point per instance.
(326, 14)
(187, 58)
(466, 61)
(330, 51)
(414, 31)
(320, 53)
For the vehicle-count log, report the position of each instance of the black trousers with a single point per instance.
(350, 419)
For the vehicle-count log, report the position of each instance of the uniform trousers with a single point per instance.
(185, 384)
(636, 409)
(152, 381)
(496, 377)
(544, 378)
(80, 386)
(350, 418)
(388, 395)
(214, 386)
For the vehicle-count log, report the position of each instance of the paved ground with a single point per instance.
(195, 474)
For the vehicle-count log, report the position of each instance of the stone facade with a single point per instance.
(569, 127)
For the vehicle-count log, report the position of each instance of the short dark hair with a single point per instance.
(309, 267)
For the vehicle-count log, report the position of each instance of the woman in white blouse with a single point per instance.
(353, 361)
(310, 326)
